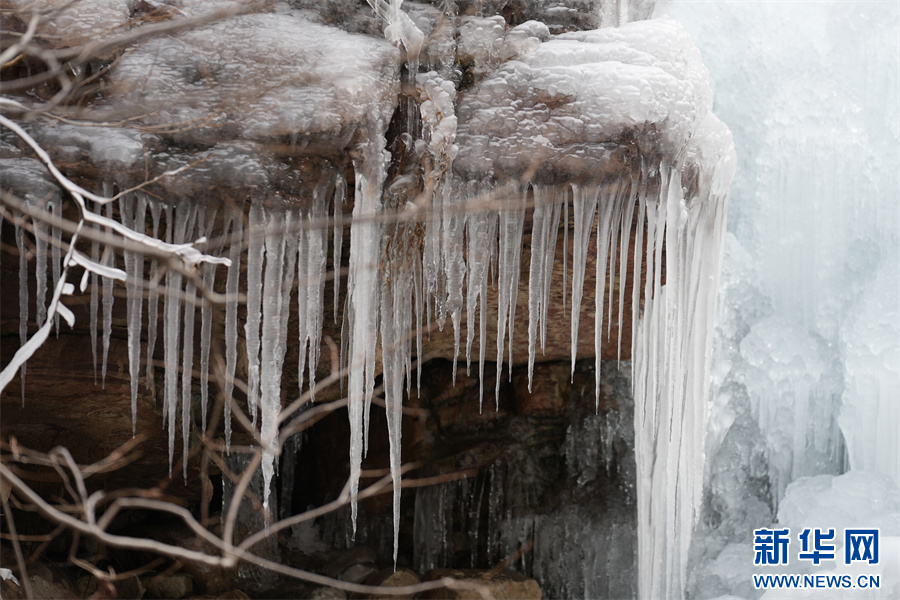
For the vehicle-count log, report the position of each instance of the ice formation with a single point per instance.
(806, 371)
(615, 121)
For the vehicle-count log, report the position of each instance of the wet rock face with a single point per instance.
(549, 478)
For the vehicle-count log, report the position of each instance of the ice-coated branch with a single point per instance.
(30, 347)
(185, 252)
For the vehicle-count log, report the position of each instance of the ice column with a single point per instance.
(255, 255)
(481, 248)
(231, 305)
(180, 223)
(511, 226)
(400, 269)
(206, 314)
(281, 252)
(362, 290)
(543, 256)
(134, 215)
(311, 262)
(671, 356)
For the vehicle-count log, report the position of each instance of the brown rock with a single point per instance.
(550, 389)
(499, 585)
(390, 578)
(130, 589)
(168, 587)
(327, 593)
(358, 555)
(232, 595)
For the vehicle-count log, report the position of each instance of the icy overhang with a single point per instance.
(569, 109)
(270, 78)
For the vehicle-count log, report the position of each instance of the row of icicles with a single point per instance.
(286, 252)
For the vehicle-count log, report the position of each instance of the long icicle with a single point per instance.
(277, 284)
(627, 219)
(172, 326)
(452, 232)
(56, 250)
(511, 225)
(317, 247)
(340, 194)
(396, 305)
(231, 305)
(41, 235)
(134, 215)
(255, 256)
(109, 260)
(545, 225)
(605, 221)
(362, 287)
(23, 304)
(584, 204)
(153, 298)
(206, 314)
(187, 353)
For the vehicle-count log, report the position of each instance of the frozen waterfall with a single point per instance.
(807, 347)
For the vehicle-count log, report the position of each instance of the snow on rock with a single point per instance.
(259, 77)
(563, 110)
(110, 148)
(72, 24)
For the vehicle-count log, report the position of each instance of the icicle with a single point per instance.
(153, 298)
(255, 255)
(396, 293)
(56, 250)
(362, 287)
(311, 268)
(420, 300)
(672, 356)
(206, 314)
(134, 267)
(277, 288)
(187, 353)
(605, 219)
(452, 229)
(177, 227)
(565, 248)
(40, 241)
(303, 300)
(511, 224)
(340, 194)
(432, 267)
(543, 255)
(481, 246)
(23, 302)
(625, 229)
(95, 300)
(584, 204)
(231, 305)
(638, 265)
(109, 259)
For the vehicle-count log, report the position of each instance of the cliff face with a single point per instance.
(485, 182)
